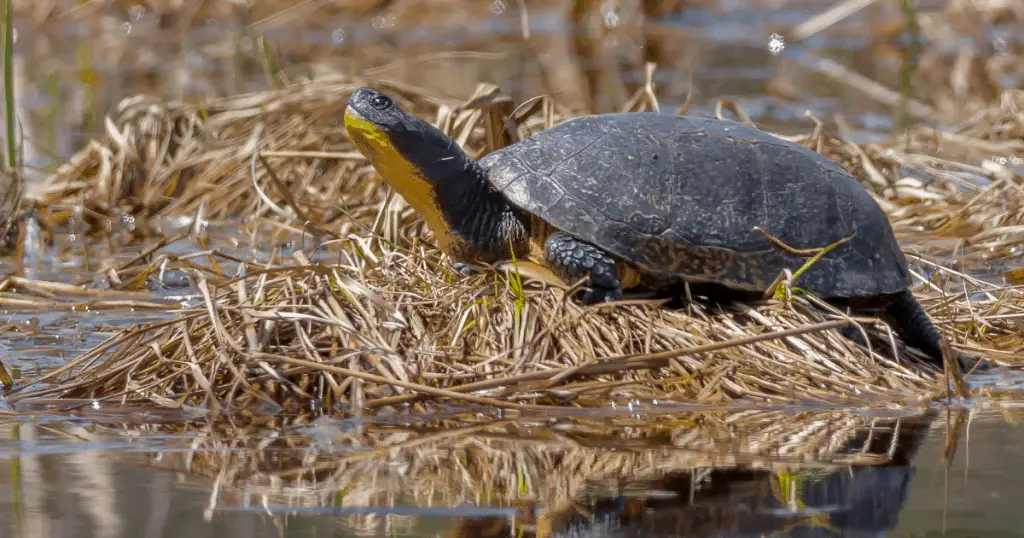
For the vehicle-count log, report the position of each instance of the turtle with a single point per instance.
(643, 199)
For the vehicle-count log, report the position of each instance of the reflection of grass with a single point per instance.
(9, 81)
(16, 482)
(790, 494)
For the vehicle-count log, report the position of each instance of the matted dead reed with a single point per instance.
(403, 326)
(392, 321)
(945, 192)
(522, 463)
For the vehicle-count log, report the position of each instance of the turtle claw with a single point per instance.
(601, 295)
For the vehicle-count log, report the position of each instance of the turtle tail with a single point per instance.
(914, 325)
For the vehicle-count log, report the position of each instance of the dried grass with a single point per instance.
(401, 326)
(388, 320)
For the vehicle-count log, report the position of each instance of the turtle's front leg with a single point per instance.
(572, 259)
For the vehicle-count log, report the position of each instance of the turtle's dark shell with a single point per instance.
(681, 196)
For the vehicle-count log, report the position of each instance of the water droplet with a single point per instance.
(776, 44)
(14, 34)
(126, 28)
(137, 12)
(611, 19)
(95, 404)
(382, 22)
(497, 7)
(338, 37)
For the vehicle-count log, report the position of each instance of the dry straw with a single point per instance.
(384, 319)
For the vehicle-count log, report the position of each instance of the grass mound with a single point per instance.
(385, 319)
(401, 326)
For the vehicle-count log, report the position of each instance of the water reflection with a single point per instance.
(745, 473)
(778, 499)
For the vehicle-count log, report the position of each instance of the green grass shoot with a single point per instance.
(466, 326)
(780, 290)
(12, 155)
(271, 66)
(909, 65)
(516, 283)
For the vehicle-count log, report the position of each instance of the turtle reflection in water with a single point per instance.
(808, 499)
(646, 199)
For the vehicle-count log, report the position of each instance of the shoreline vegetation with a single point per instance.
(355, 309)
(386, 320)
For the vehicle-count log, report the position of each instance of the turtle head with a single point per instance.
(418, 160)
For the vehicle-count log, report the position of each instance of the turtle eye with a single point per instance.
(380, 102)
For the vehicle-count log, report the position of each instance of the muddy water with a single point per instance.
(107, 472)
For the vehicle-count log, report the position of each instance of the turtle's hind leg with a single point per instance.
(914, 326)
(572, 259)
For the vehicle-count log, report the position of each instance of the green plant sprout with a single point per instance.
(516, 283)
(780, 290)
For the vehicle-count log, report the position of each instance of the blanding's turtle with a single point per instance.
(644, 198)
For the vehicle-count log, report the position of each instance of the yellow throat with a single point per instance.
(403, 176)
